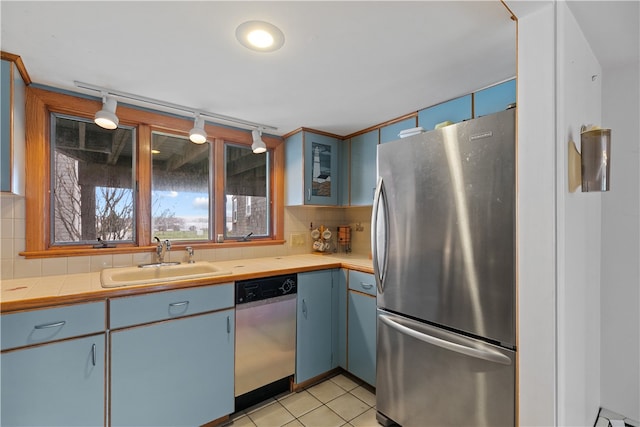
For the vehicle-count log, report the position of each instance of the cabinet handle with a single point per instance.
(304, 308)
(93, 354)
(366, 285)
(309, 194)
(50, 325)
(228, 325)
(178, 304)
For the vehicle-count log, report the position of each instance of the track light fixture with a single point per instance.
(258, 145)
(106, 118)
(197, 134)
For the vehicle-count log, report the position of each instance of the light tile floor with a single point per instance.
(337, 401)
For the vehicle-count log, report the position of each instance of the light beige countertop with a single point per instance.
(45, 291)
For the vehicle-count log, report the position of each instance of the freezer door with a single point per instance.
(427, 376)
(443, 227)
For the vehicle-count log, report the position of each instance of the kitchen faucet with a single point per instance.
(189, 250)
(162, 248)
(246, 238)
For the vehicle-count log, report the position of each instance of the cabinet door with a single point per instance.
(363, 168)
(294, 170)
(494, 99)
(321, 169)
(344, 161)
(455, 111)
(390, 132)
(314, 338)
(362, 336)
(5, 128)
(173, 373)
(57, 384)
(341, 289)
(12, 129)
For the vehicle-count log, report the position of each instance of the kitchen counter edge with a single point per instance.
(50, 291)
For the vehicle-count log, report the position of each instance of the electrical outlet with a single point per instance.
(297, 239)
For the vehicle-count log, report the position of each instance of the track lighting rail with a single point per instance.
(194, 111)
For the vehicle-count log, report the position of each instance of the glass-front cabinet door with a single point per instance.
(321, 169)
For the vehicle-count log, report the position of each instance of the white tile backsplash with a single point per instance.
(6, 249)
(99, 262)
(27, 268)
(78, 265)
(54, 266)
(6, 228)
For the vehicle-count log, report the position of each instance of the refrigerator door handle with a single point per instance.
(485, 354)
(379, 228)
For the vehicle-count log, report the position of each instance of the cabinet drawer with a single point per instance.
(136, 310)
(40, 326)
(363, 282)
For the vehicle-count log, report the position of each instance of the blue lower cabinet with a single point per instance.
(362, 336)
(315, 338)
(173, 373)
(342, 318)
(56, 384)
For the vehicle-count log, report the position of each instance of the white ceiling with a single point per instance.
(611, 28)
(345, 66)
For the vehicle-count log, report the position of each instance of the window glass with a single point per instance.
(246, 192)
(180, 208)
(92, 178)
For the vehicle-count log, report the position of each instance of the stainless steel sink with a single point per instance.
(159, 272)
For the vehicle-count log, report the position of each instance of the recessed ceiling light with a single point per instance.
(260, 36)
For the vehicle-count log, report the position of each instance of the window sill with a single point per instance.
(90, 251)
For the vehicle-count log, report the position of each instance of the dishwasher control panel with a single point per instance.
(265, 288)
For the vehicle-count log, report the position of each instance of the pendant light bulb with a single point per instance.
(197, 134)
(258, 145)
(106, 118)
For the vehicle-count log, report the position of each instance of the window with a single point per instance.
(141, 180)
(92, 180)
(180, 191)
(247, 189)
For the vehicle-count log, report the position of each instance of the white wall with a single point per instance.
(536, 228)
(578, 273)
(620, 293)
(579, 78)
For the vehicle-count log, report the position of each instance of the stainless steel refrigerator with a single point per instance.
(443, 245)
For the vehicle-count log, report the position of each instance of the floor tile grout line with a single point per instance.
(346, 391)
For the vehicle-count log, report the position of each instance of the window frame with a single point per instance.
(40, 103)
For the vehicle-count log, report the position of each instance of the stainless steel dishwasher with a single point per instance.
(265, 333)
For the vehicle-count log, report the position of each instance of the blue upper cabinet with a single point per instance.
(495, 98)
(294, 169)
(311, 165)
(5, 128)
(456, 110)
(344, 157)
(390, 132)
(12, 127)
(363, 168)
